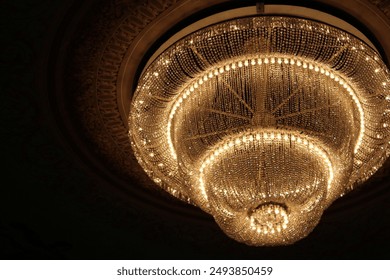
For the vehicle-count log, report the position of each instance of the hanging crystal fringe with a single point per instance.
(263, 122)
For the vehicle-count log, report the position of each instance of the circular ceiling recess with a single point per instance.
(262, 120)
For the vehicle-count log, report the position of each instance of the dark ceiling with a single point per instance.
(62, 197)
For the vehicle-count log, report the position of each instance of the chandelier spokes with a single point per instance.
(262, 122)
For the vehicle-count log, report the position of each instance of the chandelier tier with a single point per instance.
(263, 122)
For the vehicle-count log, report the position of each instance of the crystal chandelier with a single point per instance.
(263, 122)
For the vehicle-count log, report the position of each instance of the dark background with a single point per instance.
(55, 204)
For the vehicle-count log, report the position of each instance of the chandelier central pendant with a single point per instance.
(263, 122)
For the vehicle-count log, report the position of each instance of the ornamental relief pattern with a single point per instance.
(95, 67)
(383, 5)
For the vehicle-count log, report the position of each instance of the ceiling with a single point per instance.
(72, 188)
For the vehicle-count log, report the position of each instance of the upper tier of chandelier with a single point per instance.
(263, 122)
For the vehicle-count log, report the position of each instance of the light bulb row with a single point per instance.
(183, 95)
(269, 137)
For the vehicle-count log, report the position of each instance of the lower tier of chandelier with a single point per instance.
(263, 122)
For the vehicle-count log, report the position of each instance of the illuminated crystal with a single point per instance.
(262, 123)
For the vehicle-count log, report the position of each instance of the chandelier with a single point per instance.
(263, 122)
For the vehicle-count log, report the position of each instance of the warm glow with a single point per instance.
(263, 122)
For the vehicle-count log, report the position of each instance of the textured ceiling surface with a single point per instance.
(75, 188)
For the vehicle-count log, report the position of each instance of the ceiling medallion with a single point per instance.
(263, 122)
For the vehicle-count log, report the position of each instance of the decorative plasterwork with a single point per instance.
(95, 67)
